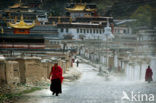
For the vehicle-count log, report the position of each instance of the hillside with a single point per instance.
(119, 9)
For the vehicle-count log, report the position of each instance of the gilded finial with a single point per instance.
(22, 18)
(53, 23)
(15, 20)
(59, 19)
(2, 31)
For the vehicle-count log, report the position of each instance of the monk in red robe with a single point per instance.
(56, 79)
(149, 73)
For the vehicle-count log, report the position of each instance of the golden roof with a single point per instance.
(15, 5)
(80, 7)
(77, 7)
(21, 25)
(18, 5)
(2, 31)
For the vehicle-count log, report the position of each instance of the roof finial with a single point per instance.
(22, 18)
(15, 20)
(59, 19)
(53, 23)
(2, 30)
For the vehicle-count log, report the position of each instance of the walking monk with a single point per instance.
(149, 73)
(56, 79)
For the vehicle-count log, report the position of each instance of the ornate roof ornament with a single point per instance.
(22, 24)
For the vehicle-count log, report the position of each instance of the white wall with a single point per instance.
(88, 35)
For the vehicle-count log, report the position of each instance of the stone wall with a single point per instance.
(12, 72)
(64, 65)
(9, 73)
(29, 70)
(47, 66)
(34, 71)
(21, 62)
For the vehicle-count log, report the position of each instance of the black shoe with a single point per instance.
(56, 94)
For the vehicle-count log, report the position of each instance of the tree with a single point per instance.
(143, 15)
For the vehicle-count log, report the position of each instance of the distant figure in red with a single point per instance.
(149, 73)
(56, 79)
(72, 62)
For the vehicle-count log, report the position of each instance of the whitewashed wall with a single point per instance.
(88, 35)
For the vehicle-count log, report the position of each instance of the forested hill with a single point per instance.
(125, 8)
(116, 8)
(120, 9)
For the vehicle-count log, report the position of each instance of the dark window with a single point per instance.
(87, 31)
(97, 31)
(90, 30)
(94, 31)
(77, 30)
(80, 30)
(84, 31)
(61, 29)
(66, 30)
(124, 31)
(100, 31)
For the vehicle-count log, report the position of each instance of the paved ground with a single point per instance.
(91, 88)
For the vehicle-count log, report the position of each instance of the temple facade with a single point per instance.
(21, 37)
(30, 12)
(81, 23)
(84, 28)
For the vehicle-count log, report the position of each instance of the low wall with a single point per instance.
(12, 72)
(9, 73)
(34, 71)
(29, 70)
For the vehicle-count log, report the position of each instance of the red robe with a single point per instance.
(57, 73)
(149, 74)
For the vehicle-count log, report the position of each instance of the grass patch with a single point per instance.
(8, 96)
(33, 89)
